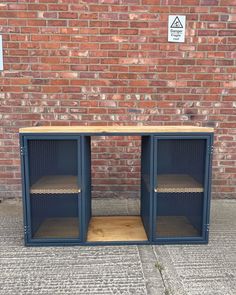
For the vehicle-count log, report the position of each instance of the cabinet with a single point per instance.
(175, 186)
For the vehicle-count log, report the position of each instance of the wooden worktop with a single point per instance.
(114, 129)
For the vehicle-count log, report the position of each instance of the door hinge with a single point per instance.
(26, 230)
(207, 227)
(22, 151)
(211, 149)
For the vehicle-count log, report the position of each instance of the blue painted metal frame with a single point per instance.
(146, 184)
(209, 167)
(29, 240)
(206, 199)
(82, 162)
(23, 186)
(86, 184)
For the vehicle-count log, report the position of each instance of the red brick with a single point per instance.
(57, 23)
(89, 46)
(40, 38)
(141, 24)
(138, 68)
(108, 104)
(209, 2)
(227, 33)
(228, 3)
(37, 7)
(58, 7)
(207, 33)
(100, 8)
(88, 16)
(139, 83)
(117, 53)
(190, 2)
(107, 62)
(17, 22)
(78, 23)
(36, 22)
(128, 31)
(48, 89)
(209, 17)
(99, 24)
(61, 82)
(150, 2)
(109, 31)
(109, 46)
(204, 76)
(68, 15)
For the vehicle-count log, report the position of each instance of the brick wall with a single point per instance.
(70, 62)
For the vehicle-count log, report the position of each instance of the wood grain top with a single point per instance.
(114, 129)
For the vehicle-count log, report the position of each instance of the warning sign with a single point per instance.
(176, 28)
(176, 23)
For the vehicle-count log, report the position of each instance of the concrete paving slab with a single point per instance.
(63, 270)
(185, 269)
(204, 269)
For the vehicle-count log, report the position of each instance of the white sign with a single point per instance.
(176, 28)
(1, 54)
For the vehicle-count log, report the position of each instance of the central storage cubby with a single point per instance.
(115, 194)
(171, 205)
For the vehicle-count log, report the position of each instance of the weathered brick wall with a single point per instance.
(69, 62)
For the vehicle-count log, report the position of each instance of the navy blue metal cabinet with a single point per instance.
(175, 186)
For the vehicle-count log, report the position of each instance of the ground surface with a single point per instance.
(185, 269)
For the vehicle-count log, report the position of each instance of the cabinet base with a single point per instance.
(67, 227)
(175, 226)
(116, 228)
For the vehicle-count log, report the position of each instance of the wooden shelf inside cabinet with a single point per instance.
(177, 183)
(116, 228)
(174, 226)
(65, 227)
(56, 184)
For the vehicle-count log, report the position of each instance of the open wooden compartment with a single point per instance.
(115, 229)
(117, 218)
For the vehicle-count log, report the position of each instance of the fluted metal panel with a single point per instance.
(49, 157)
(187, 205)
(48, 206)
(52, 157)
(182, 156)
(180, 213)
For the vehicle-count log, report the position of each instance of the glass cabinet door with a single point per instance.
(179, 187)
(53, 188)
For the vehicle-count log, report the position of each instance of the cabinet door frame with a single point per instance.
(206, 193)
(29, 240)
